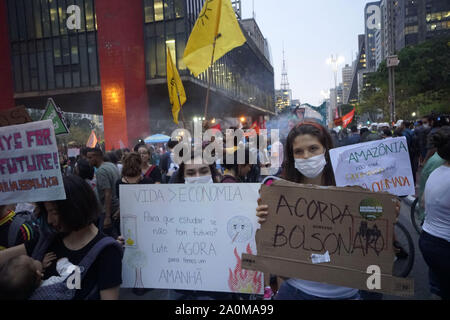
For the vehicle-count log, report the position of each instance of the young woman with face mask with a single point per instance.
(307, 161)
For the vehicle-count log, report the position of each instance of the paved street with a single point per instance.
(419, 271)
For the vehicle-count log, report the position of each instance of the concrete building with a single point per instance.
(115, 64)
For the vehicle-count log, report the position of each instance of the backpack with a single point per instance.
(60, 291)
(19, 219)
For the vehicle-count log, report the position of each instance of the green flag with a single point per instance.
(53, 113)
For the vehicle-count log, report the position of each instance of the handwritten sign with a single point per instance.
(327, 234)
(189, 236)
(29, 164)
(14, 116)
(381, 165)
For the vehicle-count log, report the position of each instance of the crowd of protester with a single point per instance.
(53, 237)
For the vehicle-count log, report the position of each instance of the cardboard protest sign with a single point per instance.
(381, 165)
(29, 164)
(14, 116)
(189, 237)
(52, 112)
(328, 234)
(73, 152)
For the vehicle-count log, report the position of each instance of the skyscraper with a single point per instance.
(347, 74)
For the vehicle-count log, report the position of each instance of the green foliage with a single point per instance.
(422, 81)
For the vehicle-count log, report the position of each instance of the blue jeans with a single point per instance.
(289, 292)
(436, 253)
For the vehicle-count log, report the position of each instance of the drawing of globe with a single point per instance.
(240, 229)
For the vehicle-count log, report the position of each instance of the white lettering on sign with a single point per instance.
(74, 20)
(373, 17)
(374, 280)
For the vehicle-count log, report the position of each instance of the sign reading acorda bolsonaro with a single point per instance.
(381, 165)
(332, 235)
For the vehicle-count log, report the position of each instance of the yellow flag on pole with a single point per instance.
(177, 95)
(92, 141)
(217, 20)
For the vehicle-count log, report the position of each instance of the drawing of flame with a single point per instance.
(244, 281)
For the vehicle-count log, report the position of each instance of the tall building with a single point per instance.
(347, 74)
(359, 66)
(414, 21)
(115, 64)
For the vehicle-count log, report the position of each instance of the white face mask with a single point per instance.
(426, 126)
(311, 167)
(201, 179)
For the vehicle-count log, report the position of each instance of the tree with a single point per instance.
(422, 82)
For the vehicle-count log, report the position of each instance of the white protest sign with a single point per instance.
(73, 152)
(381, 165)
(189, 237)
(29, 164)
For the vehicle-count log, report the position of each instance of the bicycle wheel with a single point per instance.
(405, 252)
(416, 218)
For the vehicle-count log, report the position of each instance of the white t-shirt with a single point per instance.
(322, 290)
(437, 203)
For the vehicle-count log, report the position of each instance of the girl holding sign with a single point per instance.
(307, 161)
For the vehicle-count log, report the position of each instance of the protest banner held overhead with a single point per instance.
(29, 164)
(330, 235)
(381, 165)
(189, 237)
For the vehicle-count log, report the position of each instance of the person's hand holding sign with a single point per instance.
(261, 211)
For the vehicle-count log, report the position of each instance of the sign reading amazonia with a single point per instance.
(381, 165)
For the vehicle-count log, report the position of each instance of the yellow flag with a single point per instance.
(216, 20)
(175, 86)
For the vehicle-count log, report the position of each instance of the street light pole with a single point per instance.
(391, 66)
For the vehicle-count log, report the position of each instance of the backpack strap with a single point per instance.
(14, 229)
(149, 171)
(91, 256)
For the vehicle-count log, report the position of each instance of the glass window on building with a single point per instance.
(179, 8)
(151, 53)
(84, 62)
(159, 10)
(92, 52)
(54, 17)
(160, 56)
(169, 9)
(170, 44)
(148, 11)
(29, 19)
(41, 64)
(181, 44)
(90, 18)
(62, 18)
(49, 64)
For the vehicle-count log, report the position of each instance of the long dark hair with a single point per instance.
(314, 129)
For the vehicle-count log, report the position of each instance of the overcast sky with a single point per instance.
(311, 30)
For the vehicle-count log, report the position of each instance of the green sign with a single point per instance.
(52, 112)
